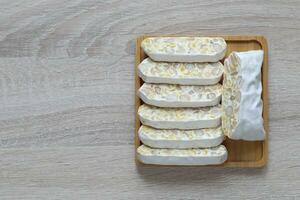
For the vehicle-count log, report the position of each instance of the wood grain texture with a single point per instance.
(67, 99)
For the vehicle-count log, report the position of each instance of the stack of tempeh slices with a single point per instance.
(181, 114)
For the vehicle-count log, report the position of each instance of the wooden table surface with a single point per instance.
(67, 99)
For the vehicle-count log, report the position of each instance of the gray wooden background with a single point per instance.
(67, 99)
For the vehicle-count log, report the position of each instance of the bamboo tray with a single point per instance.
(240, 153)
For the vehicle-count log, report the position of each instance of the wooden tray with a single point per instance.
(240, 153)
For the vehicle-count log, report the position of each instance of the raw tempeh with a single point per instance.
(166, 95)
(185, 49)
(181, 139)
(180, 118)
(241, 100)
(180, 73)
(209, 156)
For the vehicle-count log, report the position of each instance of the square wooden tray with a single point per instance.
(240, 153)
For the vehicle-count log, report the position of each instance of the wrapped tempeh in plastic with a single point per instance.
(241, 100)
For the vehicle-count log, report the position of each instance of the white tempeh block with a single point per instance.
(180, 139)
(180, 118)
(165, 95)
(210, 156)
(180, 73)
(185, 49)
(241, 100)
